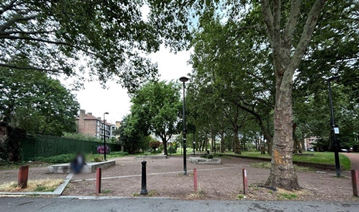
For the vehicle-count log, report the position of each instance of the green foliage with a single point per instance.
(53, 37)
(36, 103)
(171, 150)
(155, 109)
(82, 137)
(208, 156)
(64, 158)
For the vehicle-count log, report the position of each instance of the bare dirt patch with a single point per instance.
(221, 182)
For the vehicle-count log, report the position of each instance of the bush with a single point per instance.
(171, 150)
(208, 156)
(64, 158)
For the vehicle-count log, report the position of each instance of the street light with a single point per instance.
(104, 136)
(184, 80)
(335, 130)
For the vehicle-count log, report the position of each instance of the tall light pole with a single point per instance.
(335, 130)
(184, 80)
(104, 136)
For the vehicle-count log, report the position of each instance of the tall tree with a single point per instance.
(158, 105)
(36, 103)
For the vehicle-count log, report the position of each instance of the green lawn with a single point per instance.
(319, 157)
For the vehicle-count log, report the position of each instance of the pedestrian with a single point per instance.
(78, 163)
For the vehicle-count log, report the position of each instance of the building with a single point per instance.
(88, 124)
(308, 142)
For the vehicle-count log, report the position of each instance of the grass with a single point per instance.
(240, 196)
(106, 191)
(319, 157)
(7, 166)
(33, 185)
(267, 165)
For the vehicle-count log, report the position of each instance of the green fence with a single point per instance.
(47, 146)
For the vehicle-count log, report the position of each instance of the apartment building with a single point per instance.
(89, 124)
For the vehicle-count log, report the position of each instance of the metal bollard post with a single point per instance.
(195, 179)
(98, 180)
(22, 177)
(355, 182)
(143, 183)
(245, 181)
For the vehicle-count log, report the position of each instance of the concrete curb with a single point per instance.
(58, 191)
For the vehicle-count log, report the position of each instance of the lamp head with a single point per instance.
(183, 79)
(106, 113)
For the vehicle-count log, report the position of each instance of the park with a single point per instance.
(221, 104)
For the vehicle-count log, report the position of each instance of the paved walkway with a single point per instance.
(354, 159)
(166, 205)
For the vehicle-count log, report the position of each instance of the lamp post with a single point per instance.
(104, 136)
(184, 80)
(335, 130)
(194, 146)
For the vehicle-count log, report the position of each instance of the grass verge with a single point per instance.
(32, 185)
(319, 157)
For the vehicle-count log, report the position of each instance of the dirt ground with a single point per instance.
(36, 172)
(222, 182)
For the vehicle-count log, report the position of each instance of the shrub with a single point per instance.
(64, 158)
(171, 150)
(208, 156)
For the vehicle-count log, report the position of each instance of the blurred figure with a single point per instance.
(78, 163)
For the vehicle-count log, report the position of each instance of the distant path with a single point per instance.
(354, 159)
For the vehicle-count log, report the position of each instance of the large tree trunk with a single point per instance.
(222, 142)
(236, 144)
(164, 142)
(282, 172)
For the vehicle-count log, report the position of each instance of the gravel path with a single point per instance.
(354, 159)
(216, 182)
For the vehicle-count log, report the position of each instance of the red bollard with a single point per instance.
(195, 179)
(355, 182)
(98, 180)
(245, 182)
(23, 176)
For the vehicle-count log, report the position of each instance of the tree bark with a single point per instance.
(237, 145)
(222, 142)
(286, 59)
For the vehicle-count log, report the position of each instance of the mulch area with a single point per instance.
(221, 182)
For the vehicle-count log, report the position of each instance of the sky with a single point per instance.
(115, 100)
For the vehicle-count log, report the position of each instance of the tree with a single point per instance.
(132, 135)
(154, 145)
(157, 106)
(289, 29)
(36, 103)
(107, 37)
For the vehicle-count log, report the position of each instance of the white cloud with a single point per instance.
(115, 100)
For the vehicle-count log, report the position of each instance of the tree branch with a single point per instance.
(306, 36)
(30, 68)
(292, 22)
(268, 19)
(7, 24)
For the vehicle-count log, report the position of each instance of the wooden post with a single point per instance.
(195, 179)
(23, 176)
(98, 180)
(355, 182)
(245, 181)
